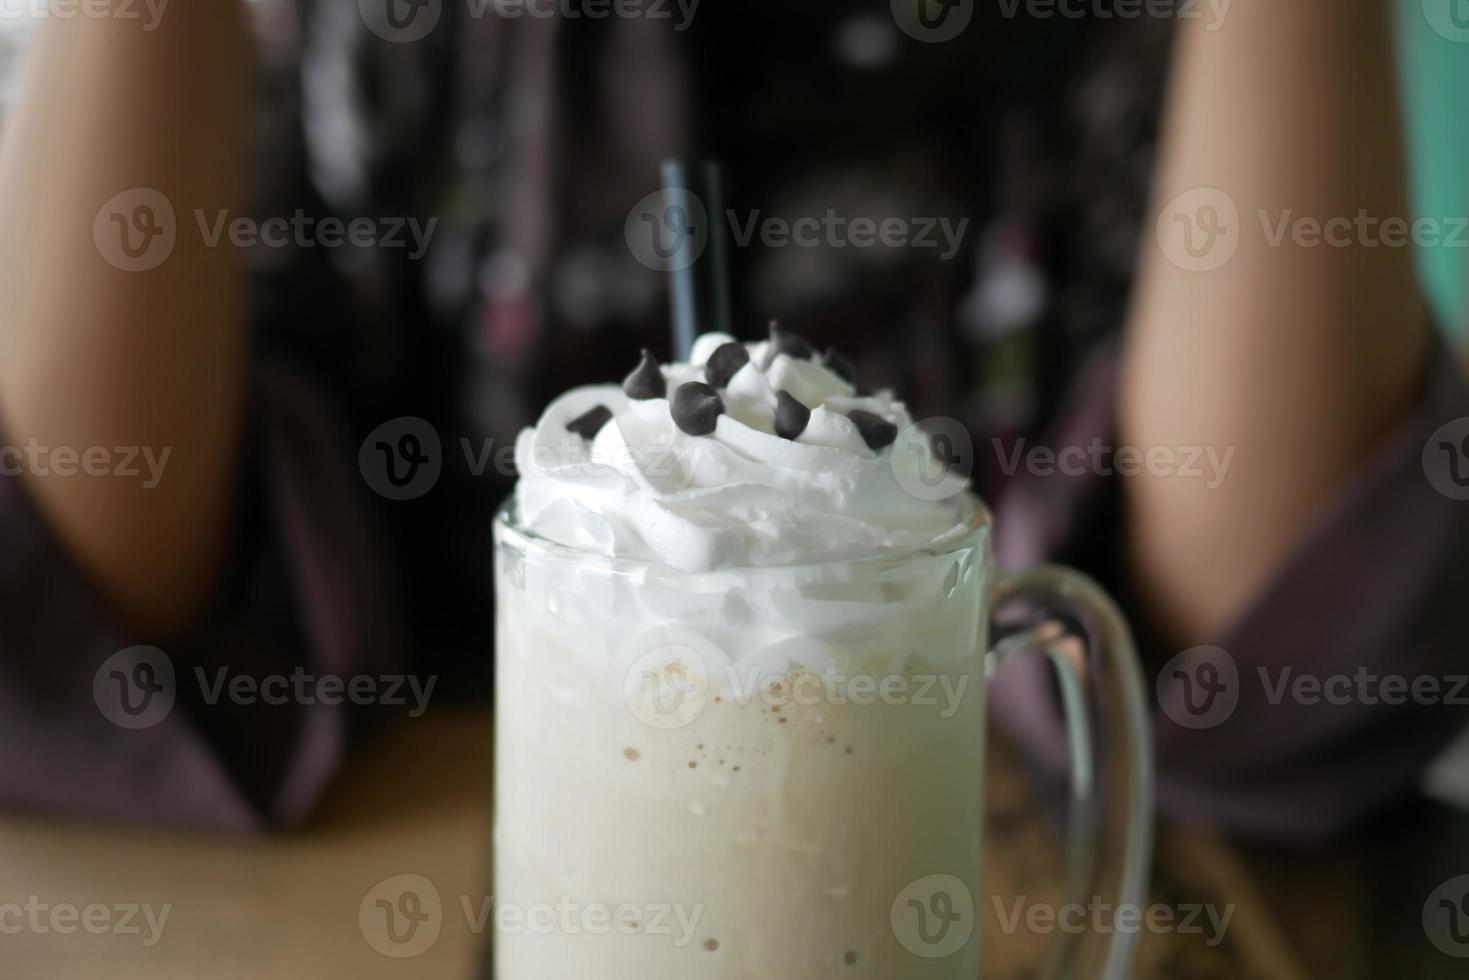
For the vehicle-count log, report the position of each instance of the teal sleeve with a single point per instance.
(1433, 54)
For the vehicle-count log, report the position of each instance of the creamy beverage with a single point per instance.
(739, 683)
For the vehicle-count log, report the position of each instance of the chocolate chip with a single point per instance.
(791, 417)
(590, 423)
(840, 366)
(646, 381)
(696, 408)
(789, 344)
(725, 362)
(876, 431)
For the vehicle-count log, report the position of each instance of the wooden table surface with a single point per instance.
(417, 802)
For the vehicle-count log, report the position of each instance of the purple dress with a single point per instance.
(306, 586)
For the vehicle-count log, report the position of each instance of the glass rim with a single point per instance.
(508, 529)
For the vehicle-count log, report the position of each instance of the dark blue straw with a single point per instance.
(699, 293)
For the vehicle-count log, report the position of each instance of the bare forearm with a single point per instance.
(1299, 357)
(97, 349)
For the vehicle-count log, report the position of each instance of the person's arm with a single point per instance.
(1300, 359)
(95, 356)
(311, 593)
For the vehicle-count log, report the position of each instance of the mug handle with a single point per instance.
(1063, 615)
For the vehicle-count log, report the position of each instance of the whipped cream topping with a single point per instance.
(742, 496)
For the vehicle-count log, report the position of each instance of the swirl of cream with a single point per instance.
(742, 496)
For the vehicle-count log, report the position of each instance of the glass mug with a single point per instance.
(778, 772)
